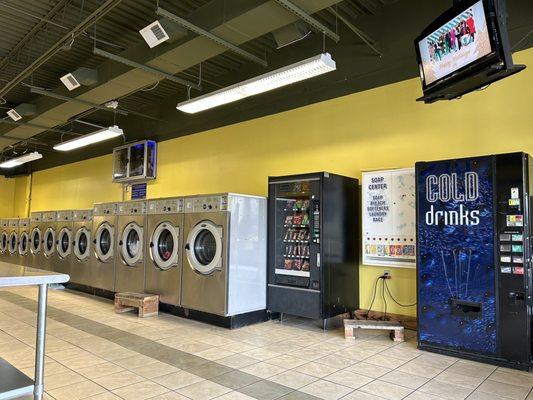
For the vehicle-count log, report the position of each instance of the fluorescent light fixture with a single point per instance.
(15, 162)
(86, 140)
(300, 71)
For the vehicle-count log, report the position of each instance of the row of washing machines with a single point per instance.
(205, 253)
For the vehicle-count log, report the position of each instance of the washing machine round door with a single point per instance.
(64, 243)
(35, 241)
(204, 247)
(49, 242)
(13, 242)
(104, 242)
(164, 246)
(24, 243)
(82, 244)
(131, 244)
(3, 242)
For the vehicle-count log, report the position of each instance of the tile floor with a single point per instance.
(94, 353)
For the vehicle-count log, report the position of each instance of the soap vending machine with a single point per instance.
(473, 258)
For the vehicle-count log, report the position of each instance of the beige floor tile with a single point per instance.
(347, 378)
(140, 391)
(204, 390)
(100, 370)
(82, 362)
(120, 379)
(415, 368)
(370, 370)
(117, 354)
(387, 390)
(326, 390)
(317, 370)
(136, 361)
(169, 396)
(154, 370)
(293, 379)
(503, 389)
(104, 396)
(237, 361)
(336, 361)
(260, 354)
(177, 380)
(423, 396)
(193, 347)
(384, 361)
(513, 378)
(404, 379)
(80, 390)
(62, 379)
(477, 395)
(466, 381)
(263, 370)
(234, 396)
(447, 391)
(286, 361)
(358, 395)
(214, 354)
(469, 368)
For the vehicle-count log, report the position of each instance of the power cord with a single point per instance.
(384, 287)
(393, 299)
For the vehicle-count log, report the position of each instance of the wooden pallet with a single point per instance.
(350, 326)
(147, 304)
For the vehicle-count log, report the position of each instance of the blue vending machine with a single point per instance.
(473, 260)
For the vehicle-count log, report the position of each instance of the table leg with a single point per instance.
(39, 347)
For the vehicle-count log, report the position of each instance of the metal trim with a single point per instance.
(293, 288)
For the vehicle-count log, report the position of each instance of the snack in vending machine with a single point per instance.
(306, 251)
(287, 264)
(305, 220)
(288, 220)
(301, 235)
(305, 205)
(297, 265)
(295, 234)
(297, 219)
(288, 234)
(305, 266)
(289, 205)
(298, 205)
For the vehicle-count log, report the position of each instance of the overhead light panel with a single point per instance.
(15, 162)
(14, 115)
(314, 66)
(154, 34)
(22, 110)
(82, 76)
(91, 138)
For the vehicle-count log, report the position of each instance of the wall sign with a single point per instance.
(389, 233)
(138, 191)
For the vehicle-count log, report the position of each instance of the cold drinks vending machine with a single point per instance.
(473, 261)
(313, 269)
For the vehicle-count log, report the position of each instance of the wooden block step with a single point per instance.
(147, 304)
(350, 325)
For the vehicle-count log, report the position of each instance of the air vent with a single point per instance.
(154, 34)
(15, 116)
(70, 82)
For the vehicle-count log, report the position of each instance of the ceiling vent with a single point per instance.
(291, 33)
(161, 31)
(22, 110)
(82, 76)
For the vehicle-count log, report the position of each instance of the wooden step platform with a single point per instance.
(148, 304)
(350, 326)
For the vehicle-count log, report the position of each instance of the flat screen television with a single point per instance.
(464, 49)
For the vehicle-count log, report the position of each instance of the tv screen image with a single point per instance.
(460, 42)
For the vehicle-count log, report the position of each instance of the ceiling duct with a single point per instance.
(162, 31)
(82, 76)
(291, 34)
(22, 110)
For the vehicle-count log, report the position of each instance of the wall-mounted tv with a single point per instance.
(465, 49)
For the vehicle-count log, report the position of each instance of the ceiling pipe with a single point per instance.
(30, 125)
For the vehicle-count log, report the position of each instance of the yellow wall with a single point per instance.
(7, 194)
(380, 128)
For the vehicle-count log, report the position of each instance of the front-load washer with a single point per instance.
(64, 239)
(80, 267)
(164, 235)
(36, 256)
(103, 234)
(224, 268)
(4, 238)
(49, 240)
(129, 263)
(24, 242)
(13, 241)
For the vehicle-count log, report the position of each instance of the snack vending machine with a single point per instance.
(473, 261)
(313, 245)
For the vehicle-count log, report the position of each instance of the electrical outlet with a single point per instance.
(386, 273)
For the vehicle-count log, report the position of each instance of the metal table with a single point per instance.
(14, 383)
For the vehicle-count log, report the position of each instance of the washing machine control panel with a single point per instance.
(24, 223)
(105, 209)
(36, 217)
(65, 215)
(169, 206)
(49, 216)
(206, 204)
(83, 215)
(132, 208)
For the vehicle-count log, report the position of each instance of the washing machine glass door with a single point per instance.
(81, 244)
(204, 247)
(104, 242)
(49, 242)
(3, 242)
(35, 242)
(23, 244)
(132, 244)
(164, 246)
(64, 243)
(13, 242)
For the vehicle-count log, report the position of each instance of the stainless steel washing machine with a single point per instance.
(224, 268)
(80, 266)
(4, 239)
(13, 241)
(36, 257)
(64, 239)
(24, 242)
(102, 262)
(164, 235)
(129, 263)
(49, 240)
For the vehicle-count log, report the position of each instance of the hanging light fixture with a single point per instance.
(293, 73)
(15, 162)
(91, 138)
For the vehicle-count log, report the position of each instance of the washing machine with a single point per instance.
(129, 263)
(36, 256)
(102, 262)
(24, 242)
(13, 241)
(64, 239)
(4, 238)
(80, 271)
(224, 267)
(164, 236)
(49, 240)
